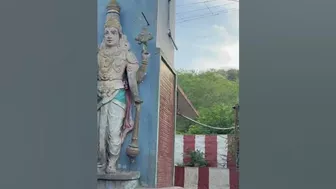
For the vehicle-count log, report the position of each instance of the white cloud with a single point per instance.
(233, 51)
(218, 27)
(224, 52)
(222, 55)
(226, 57)
(224, 35)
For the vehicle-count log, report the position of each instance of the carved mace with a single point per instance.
(133, 148)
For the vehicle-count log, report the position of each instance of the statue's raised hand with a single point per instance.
(137, 100)
(145, 55)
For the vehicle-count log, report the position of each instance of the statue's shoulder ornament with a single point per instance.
(132, 62)
(131, 58)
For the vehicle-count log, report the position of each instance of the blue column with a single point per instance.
(132, 22)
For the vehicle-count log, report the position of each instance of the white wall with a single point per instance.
(163, 42)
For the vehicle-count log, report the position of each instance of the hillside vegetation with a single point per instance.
(213, 93)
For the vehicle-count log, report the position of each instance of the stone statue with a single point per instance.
(117, 90)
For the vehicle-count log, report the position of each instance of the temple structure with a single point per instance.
(137, 94)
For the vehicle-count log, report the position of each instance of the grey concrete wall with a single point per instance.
(166, 21)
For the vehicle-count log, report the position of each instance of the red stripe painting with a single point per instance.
(202, 178)
(189, 145)
(211, 150)
(221, 172)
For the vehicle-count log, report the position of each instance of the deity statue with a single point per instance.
(117, 89)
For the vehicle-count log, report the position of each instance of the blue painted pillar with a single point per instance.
(132, 22)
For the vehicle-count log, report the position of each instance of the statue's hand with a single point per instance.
(137, 100)
(145, 55)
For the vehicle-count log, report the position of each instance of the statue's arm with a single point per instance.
(132, 69)
(143, 68)
(99, 95)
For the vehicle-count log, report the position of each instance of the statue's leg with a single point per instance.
(116, 115)
(102, 135)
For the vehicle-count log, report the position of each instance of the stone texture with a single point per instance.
(120, 176)
(106, 184)
(119, 180)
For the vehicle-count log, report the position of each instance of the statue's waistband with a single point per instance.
(116, 84)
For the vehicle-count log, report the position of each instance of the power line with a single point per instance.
(208, 7)
(192, 18)
(201, 15)
(204, 125)
(188, 4)
(215, 6)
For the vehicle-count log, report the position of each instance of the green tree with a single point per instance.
(232, 75)
(182, 125)
(220, 115)
(206, 89)
(213, 93)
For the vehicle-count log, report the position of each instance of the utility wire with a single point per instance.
(204, 125)
(208, 14)
(208, 7)
(188, 4)
(192, 18)
(201, 15)
(215, 6)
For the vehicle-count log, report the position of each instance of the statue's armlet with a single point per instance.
(132, 62)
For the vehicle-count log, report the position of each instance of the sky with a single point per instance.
(207, 34)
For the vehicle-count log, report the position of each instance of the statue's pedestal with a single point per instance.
(119, 180)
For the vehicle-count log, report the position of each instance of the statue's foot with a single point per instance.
(101, 169)
(111, 169)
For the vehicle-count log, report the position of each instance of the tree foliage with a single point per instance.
(219, 115)
(213, 93)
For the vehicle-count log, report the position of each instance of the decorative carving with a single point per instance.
(143, 39)
(133, 149)
(113, 7)
(117, 89)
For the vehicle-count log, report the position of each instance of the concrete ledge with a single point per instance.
(120, 176)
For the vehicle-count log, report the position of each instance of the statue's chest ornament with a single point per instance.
(110, 61)
(117, 65)
(105, 65)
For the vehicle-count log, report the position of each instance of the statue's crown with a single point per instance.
(113, 7)
(112, 22)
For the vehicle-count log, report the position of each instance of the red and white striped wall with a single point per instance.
(221, 173)
(202, 178)
(215, 148)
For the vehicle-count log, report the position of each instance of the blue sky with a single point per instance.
(208, 42)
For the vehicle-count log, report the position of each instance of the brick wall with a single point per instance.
(165, 168)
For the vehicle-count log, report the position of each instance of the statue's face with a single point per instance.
(111, 36)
